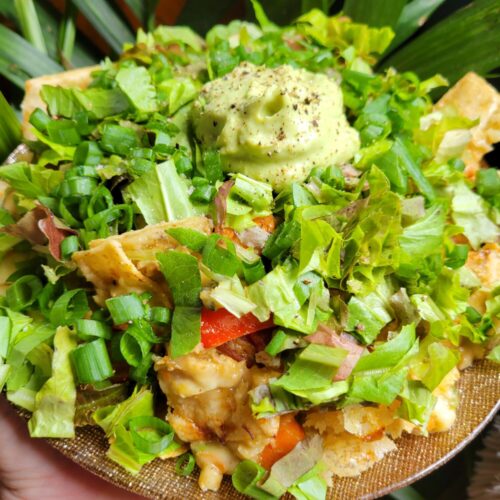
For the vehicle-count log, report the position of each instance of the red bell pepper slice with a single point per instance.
(220, 326)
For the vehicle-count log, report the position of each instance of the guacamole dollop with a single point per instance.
(274, 124)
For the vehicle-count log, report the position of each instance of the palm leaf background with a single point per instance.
(47, 36)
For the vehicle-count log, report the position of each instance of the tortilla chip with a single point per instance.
(348, 456)
(474, 98)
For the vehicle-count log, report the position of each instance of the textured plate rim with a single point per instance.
(438, 463)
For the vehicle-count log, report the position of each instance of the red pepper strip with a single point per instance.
(220, 326)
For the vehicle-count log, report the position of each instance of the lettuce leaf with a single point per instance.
(425, 236)
(368, 315)
(471, 212)
(54, 411)
(390, 353)
(342, 33)
(275, 293)
(135, 82)
(176, 92)
(161, 194)
(29, 180)
(417, 403)
(433, 362)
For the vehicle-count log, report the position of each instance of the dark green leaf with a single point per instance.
(468, 40)
(30, 24)
(17, 51)
(10, 129)
(106, 21)
(378, 14)
(413, 16)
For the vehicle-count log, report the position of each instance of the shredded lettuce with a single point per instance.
(54, 410)
(471, 212)
(161, 194)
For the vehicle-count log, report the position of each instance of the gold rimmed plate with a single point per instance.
(415, 457)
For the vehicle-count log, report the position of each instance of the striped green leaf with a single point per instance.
(468, 40)
(413, 16)
(13, 73)
(375, 13)
(19, 53)
(67, 33)
(107, 22)
(10, 129)
(30, 25)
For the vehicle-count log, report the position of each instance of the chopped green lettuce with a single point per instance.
(433, 362)
(390, 353)
(417, 403)
(471, 212)
(54, 411)
(135, 82)
(368, 315)
(161, 194)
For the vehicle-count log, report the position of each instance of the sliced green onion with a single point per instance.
(213, 165)
(123, 213)
(91, 362)
(69, 307)
(89, 329)
(118, 140)
(69, 245)
(101, 200)
(125, 308)
(134, 347)
(39, 119)
(161, 315)
(203, 194)
(82, 171)
(87, 153)
(63, 132)
(23, 292)
(184, 465)
(246, 477)
(253, 271)
(47, 296)
(66, 214)
(140, 166)
(150, 434)
(77, 186)
(140, 373)
(183, 164)
(145, 153)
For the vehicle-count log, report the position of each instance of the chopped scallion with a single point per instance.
(125, 308)
(91, 362)
(150, 434)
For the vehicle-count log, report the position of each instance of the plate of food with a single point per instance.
(251, 264)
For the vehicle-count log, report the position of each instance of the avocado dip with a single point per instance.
(274, 124)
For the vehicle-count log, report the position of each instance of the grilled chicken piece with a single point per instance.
(207, 393)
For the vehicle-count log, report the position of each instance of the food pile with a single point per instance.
(252, 252)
